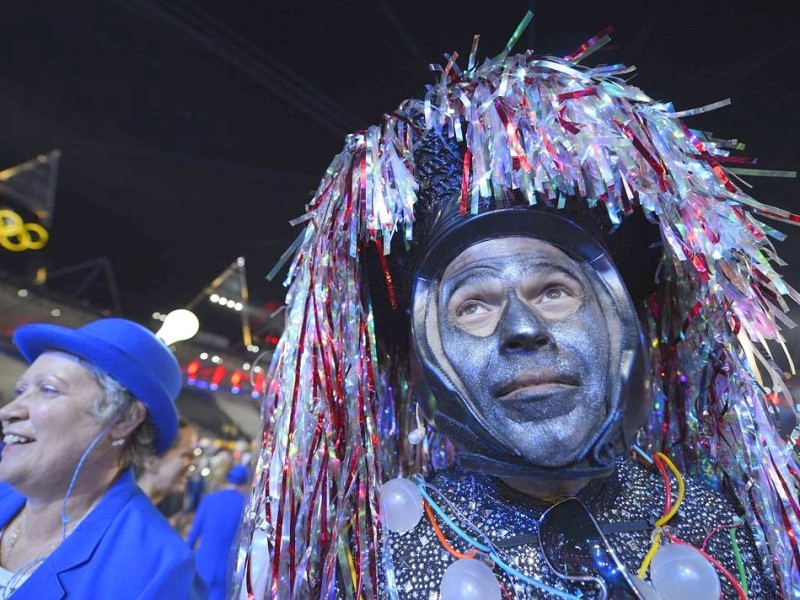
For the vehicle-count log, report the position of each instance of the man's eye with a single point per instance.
(48, 389)
(470, 308)
(556, 293)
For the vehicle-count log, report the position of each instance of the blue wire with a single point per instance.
(508, 569)
(449, 505)
(65, 519)
(643, 454)
(452, 525)
(512, 571)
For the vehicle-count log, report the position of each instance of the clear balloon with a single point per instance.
(469, 579)
(679, 571)
(401, 505)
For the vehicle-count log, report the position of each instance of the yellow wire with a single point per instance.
(681, 490)
(664, 519)
(650, 554)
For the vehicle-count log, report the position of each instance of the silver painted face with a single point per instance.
(521, 325)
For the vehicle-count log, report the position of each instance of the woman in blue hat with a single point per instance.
(93, 402)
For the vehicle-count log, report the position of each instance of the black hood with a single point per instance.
(628, 398)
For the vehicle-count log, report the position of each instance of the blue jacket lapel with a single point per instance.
(80, 545)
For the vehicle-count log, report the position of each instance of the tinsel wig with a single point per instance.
(556, 133)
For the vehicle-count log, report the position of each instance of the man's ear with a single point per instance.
(128, 421)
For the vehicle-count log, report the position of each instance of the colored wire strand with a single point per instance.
(739, 563)
(512, 571)
(455, 553)
(485, 548)
(643, 455)
(65, 518)
(681, 490)
(727, 574)
(667, 514)
(715, 530)
(737, 555)
(667, 484)
(453, 509)
(456, 529)
(660, 459)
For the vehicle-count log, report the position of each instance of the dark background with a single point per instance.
(192, 132)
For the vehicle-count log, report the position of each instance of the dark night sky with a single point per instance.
(192, 132)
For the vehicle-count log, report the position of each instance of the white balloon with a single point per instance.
(469, 579)
(679, 571)
(401, 505)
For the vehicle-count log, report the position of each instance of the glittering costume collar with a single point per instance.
(624, 508)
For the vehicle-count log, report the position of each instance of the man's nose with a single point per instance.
(522, 329)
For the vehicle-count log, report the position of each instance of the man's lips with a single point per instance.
(533, 385)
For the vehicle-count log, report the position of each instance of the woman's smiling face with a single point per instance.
(48, 425)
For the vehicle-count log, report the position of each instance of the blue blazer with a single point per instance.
(215, 525)
(124, 549)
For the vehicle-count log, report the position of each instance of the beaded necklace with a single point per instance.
(11, 542)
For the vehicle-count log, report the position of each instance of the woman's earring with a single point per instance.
(118, 442)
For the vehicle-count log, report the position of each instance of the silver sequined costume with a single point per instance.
(626, 505)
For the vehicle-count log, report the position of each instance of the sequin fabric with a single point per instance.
(632, 498)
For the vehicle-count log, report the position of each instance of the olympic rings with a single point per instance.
(17, 235)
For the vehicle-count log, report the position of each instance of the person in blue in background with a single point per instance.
(93, 401)
(215, 527)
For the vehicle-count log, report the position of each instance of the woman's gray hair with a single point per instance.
(116, 399)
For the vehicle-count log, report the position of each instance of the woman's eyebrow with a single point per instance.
(46, 377)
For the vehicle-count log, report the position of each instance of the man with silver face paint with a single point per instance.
(537, 368)
(522, 340)
(529, 339)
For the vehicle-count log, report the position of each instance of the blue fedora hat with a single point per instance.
(128, 352)
(238, 475)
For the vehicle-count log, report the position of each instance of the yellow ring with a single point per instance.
(17, 236)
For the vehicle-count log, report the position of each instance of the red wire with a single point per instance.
(668, 505)
(715, 530)
(668, 499)
(731, 579)
(505, 591)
